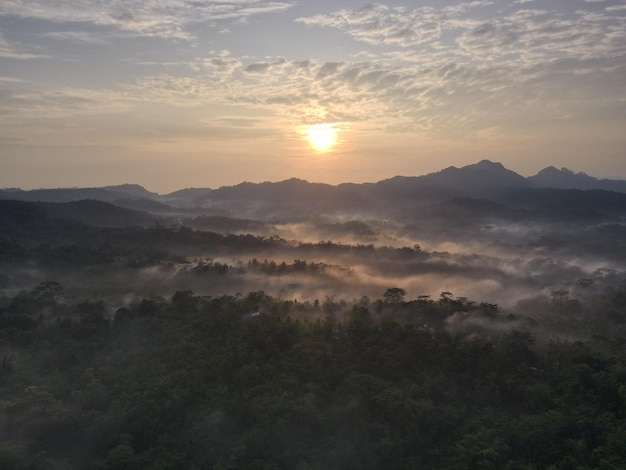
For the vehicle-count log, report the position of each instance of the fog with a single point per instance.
(311, 261)
(537, 263)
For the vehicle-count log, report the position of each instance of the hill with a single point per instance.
(89, 212)
(551, 177)
(397, 197)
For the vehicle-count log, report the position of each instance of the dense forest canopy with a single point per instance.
(253, 381)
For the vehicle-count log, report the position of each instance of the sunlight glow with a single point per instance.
(322, 137)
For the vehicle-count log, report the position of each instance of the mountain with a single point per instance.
(481, 179)
(466, 210)
(407, 191)
(185, 197)
(564, 178)
(89, 212)
(108, 194)
(132, 190)
(281, 192)
(98, 213)
(144, 204)
(573, 204)
(292, 198)
(295, 198)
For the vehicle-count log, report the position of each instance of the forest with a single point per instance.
(476, 330)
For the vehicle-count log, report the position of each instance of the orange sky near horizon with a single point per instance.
(205, 94)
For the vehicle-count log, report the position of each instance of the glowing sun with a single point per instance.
(322, 136)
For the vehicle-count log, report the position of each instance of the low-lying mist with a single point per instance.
(535, 284)
(523, 258)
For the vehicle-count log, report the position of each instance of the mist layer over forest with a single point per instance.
(479, 232)
(519, 273)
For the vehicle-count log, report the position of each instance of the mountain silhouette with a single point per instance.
(86, 211)
(564, 178)
(484, 178)
(132, 190)
(397, 197)
(108, 194)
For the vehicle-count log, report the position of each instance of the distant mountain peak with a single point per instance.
(481, 166)
(134, 190)
(488, 164)
(484, 178)
(550, 170)
(565, 178)
(563, 172)
(126, 186)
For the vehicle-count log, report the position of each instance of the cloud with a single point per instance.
(235, 122)
(379, 24)
(234, 129)
(430, 97)
(448, 66)
(444, 95)
(79, 37)
(220, 66)
(266, 67)
(538, 36)
(329, 69)
(444, 68)
(531, 34)
(147, 17)
(10, 51)
(396, 26)
(20, 102)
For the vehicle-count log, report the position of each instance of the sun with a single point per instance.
(322, 137)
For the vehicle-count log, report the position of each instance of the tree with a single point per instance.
(183, 301)
(394, 295)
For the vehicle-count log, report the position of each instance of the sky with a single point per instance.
(194, 93)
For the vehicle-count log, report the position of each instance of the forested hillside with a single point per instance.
(460, 320)
(257, 382)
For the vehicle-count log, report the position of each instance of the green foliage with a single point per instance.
(197, 382)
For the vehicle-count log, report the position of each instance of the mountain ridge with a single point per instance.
(551, 177)
(484, 180)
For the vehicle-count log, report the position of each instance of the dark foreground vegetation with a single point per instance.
(256, 382)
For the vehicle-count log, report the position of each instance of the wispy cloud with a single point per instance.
(79, 37)
(528, 33)
(383, 25)
(11, 51)
(424, 96)
(149, 17)
(450, 65)
(472, 67)
(380, 24)
(22, 103)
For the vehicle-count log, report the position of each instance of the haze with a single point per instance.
(480, 232)
(204, 94)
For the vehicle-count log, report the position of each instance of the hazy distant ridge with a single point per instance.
(483, 180)
(551, 177)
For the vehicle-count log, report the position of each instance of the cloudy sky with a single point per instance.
(182, 93)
